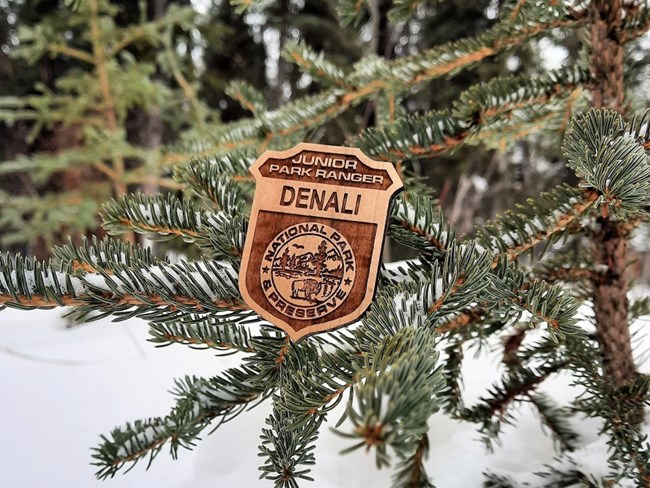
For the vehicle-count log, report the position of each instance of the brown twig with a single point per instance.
(562, 222)
(112, 300)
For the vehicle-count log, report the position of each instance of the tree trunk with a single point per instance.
(145, 127)
(380, 43)
(278, 95)
(59, 138)
(611, 303)
(610, 240)
(606, 18)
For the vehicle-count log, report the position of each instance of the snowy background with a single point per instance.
(62, 388)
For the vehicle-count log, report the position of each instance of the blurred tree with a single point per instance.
(234, 49)
(97, 79)
(462, 177)
(247, 48)
(17, 77)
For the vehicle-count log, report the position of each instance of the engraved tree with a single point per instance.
(321, 256)
(403, 362)
(284, 260)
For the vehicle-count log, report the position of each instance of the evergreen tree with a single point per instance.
(18, 78)
(242, 66)
(464, 169)
(402, 362)
(235, 49)
(102, 71)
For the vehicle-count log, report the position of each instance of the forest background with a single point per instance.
(99, 98)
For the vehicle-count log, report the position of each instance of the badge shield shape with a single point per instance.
(315, 236)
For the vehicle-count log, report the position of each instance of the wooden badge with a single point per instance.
(315, 236)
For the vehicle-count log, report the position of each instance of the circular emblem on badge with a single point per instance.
(307, 271)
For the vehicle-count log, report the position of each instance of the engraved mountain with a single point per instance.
(312, 264)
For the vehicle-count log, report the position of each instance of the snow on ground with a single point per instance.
(62, 388)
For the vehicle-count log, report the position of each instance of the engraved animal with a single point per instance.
(305, 289)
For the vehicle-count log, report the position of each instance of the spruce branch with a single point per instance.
(470, 327)
(288, 446)
(236, 138)
(318, 390)
(57, 49)
(554, 419)
(106, 87)
(305, 113)
(415, 136)
(410, 471)
(225, 331)
(204, 175)
(315, 64)
(288, 451)
(629, 450)
(371, 77)
(610, 157)
(511, 288)
(199, 402)
(492, 411)
(502, 96)
(171, 64)
(508, 285)
(106, 254)
(514, 104)
(226, 237)
(165, 215)
(158, 292)
(247, 96)
(217, 189)
(453, 56)
(190, 287)
(544, 350)
(27, 283)
(435, 291)
(524, 121)
(400, 391)
(150, 31)
(432, 292)
(549, 303)
(444, 288)
(452, 372)
(31, 217)
(414, 223)
(161, 214)
(544, 219)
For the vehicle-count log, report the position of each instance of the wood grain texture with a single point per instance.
(315, 236)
